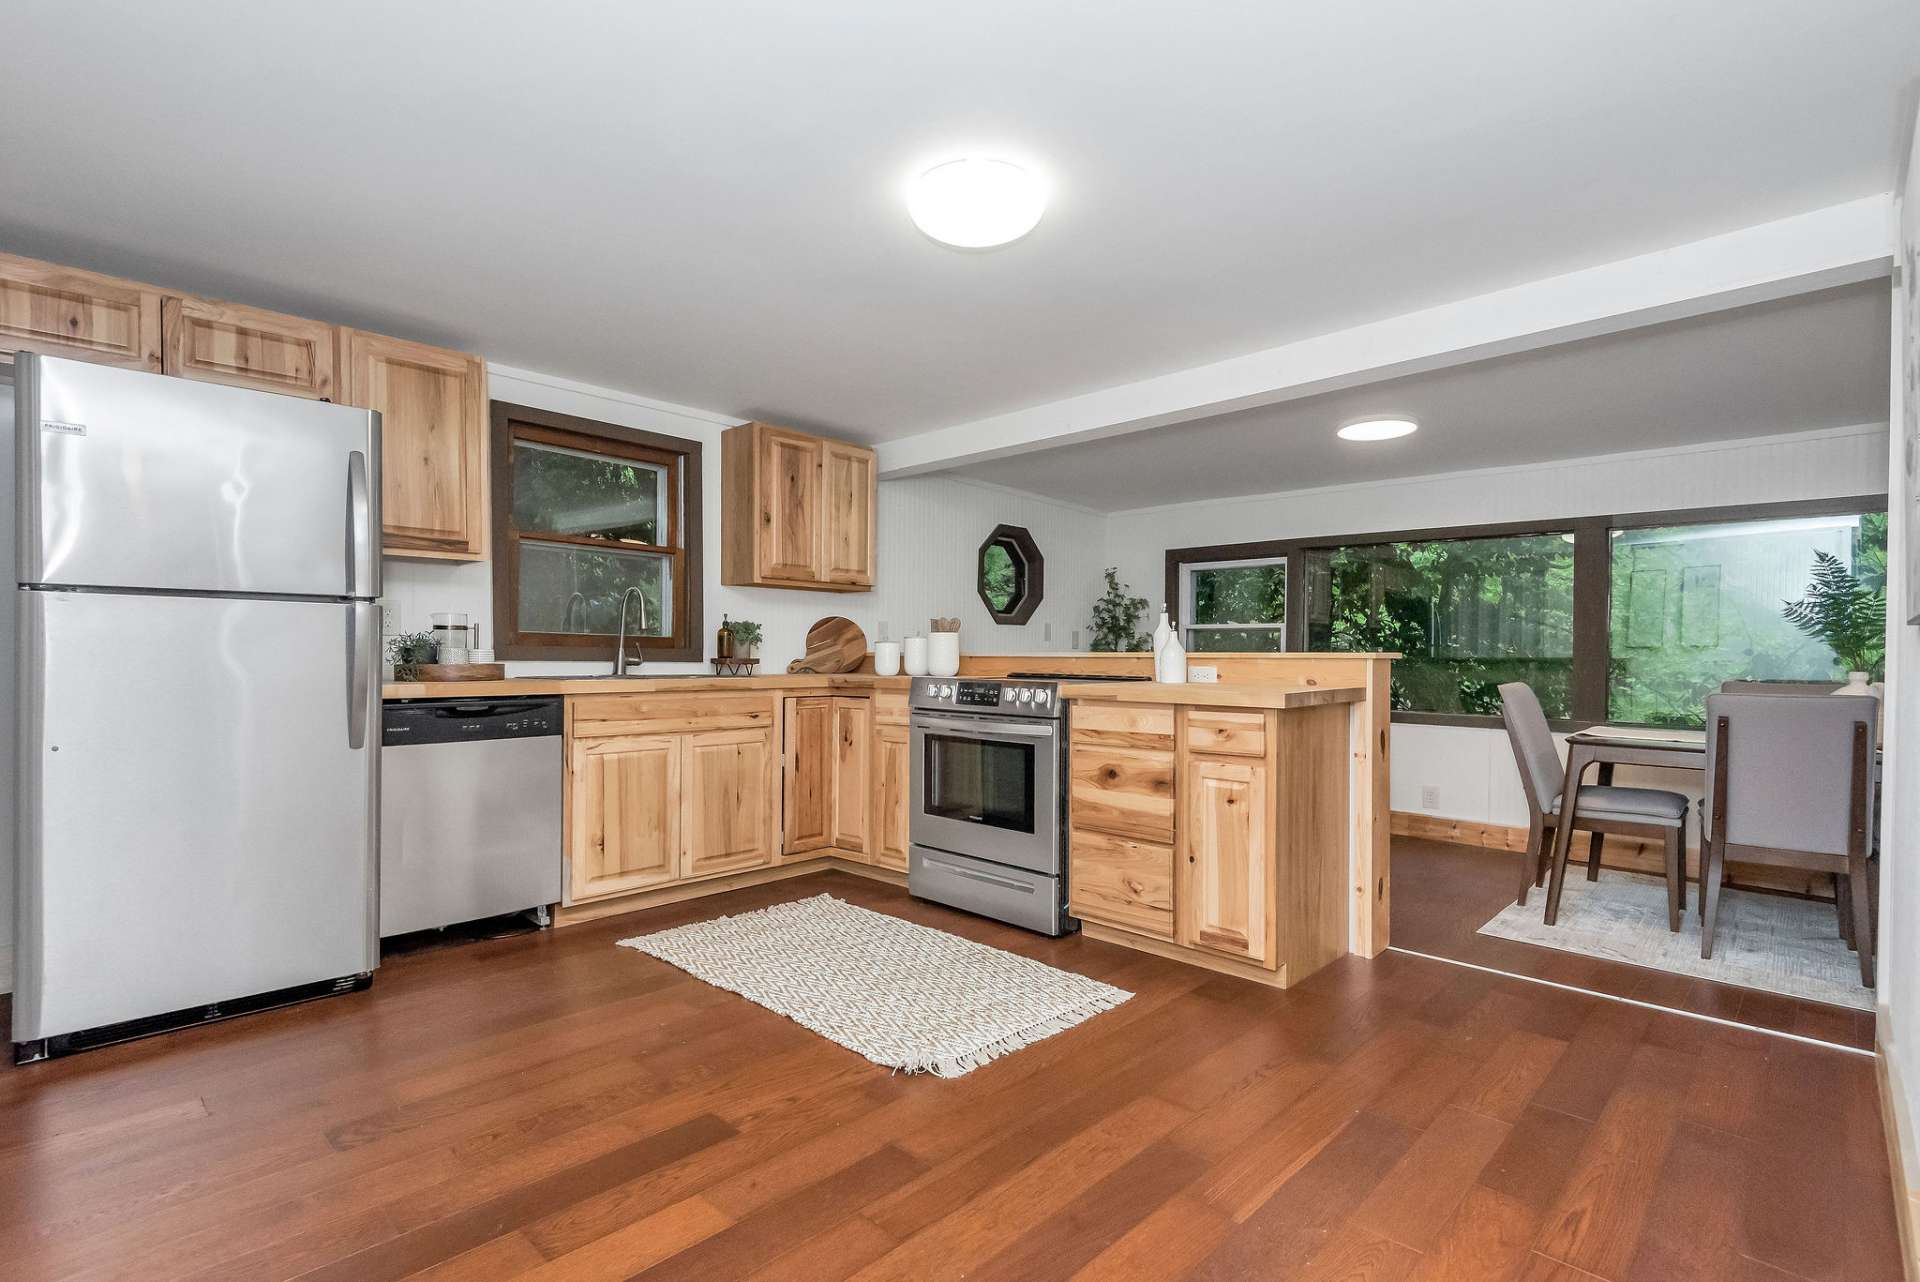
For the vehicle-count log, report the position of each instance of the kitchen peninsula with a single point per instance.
(1271, 786)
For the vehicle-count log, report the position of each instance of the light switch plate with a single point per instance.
(1429, 798)
(1203, 674)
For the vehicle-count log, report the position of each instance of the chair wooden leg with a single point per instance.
(1862, 923)
(1676, 880)
(1843, 905)
(1711, 876)
(1532, 859)
(1706, 857)
(1594, 842)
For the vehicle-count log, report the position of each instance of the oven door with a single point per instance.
(988, 787)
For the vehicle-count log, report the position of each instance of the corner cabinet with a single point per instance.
(797, 510)
(433, 412)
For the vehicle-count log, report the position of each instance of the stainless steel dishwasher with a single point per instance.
(470, 797)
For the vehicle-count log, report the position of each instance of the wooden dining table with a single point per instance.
(1607, 747)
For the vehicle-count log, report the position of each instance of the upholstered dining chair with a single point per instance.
(1603, 809)
(1790, 783)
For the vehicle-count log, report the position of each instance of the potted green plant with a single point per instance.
(1116, 617)
(746, 637)
(1849, 615)
(408, 650)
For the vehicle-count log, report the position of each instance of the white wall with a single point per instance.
(1899, 978)
(1473, 768)
(929, 529)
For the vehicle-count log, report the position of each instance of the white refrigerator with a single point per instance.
(198, 702)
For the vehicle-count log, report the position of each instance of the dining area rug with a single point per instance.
(1771, 942)
(901, 994)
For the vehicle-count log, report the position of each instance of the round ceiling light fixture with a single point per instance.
(976, 202)
(1378, 429)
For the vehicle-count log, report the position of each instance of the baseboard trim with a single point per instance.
(1897, 1127)
(1622, 854)
(825, 861)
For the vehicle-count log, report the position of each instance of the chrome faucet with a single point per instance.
(620, 645)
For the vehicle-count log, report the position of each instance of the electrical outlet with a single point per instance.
(1203, 673)
(1046, 633)
(883, 634)
(389, 617)
(1429, 798)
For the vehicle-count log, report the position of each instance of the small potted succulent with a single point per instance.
(408, 651)
(746, 638)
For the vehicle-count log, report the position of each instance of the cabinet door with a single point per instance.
(248, 347)
(625, 832)
(789, 536)
(64, 312)
(848, 516)
(1225, 901)
(433, 407)
(852, 751)
(892, 790)
(728, 800)
(809, 775)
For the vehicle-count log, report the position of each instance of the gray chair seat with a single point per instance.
(1631, 805)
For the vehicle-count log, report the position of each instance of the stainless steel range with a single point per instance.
(988, 823)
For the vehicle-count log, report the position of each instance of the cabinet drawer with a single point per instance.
(1117, 882)
(597, 715)
(1116, 725)
(1124, 792)
(889, 707)
(1234, 734)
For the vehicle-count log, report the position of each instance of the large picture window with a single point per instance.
(1466, 614)
(583, 513)
(1632, 618)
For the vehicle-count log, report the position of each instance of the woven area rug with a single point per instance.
(1771, 942)
(902, 995)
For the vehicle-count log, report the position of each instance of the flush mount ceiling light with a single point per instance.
(976, 202)
(1378, 429)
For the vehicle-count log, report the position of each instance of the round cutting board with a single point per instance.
(833, 645)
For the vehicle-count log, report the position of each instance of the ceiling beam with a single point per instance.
(1837, 245)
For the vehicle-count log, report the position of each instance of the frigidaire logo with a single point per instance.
(65, 429)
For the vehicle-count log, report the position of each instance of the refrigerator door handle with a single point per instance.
(359, 527)
(360, 622)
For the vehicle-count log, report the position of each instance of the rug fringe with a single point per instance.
(1019, 1039)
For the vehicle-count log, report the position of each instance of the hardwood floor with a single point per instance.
(1444, 893)
(552, 1107)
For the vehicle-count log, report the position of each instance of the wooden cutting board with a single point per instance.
(833, 645)
(461, 672)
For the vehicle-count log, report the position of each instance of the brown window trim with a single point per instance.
(682, 459)
(1592, 578)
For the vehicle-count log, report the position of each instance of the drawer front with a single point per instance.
(889, 707)
(1123, 792)
(1012, 895)
(599, 715)
(1116, 725)
(1117, 882)
(1233, 734)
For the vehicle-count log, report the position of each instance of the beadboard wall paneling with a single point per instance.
(929, 530)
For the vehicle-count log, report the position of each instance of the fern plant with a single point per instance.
(1848, 615)
(1116, 617)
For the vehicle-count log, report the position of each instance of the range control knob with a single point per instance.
(1040, 696)
(1022, 695)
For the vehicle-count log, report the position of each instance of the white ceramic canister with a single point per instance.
(886, 658)
(943, 654)
(913, 655)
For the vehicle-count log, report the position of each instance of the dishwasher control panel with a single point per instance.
(414, 721)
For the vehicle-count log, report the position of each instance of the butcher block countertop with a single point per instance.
(862, 681)
(1225, 694)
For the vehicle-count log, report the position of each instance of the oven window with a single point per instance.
(979, 781)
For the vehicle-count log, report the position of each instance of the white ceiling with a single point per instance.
(1817, 361)
(700, 202)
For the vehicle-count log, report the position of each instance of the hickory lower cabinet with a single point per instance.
(664, 789)
(830, 750)
(1217, 836)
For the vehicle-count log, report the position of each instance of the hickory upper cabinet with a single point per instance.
(797, 510)
(63, 311)
(247, 347)
(433, 412)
